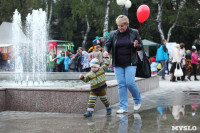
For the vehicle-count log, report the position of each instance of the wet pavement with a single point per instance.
(173, 107)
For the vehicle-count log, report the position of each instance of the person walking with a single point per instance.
(194, 63)
(176, 60)
(124, 43)
(98, 86)
(162, 57)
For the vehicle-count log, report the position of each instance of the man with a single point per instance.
(162, 57)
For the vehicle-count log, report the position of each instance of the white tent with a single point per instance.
(6, 34)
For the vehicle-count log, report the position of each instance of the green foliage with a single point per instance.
(69, 21)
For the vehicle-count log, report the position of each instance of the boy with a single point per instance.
(97, 84)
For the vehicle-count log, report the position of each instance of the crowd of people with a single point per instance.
(160, 63)
(75, 62)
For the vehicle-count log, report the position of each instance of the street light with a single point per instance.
(174, 4)
(127, 6)
(124, 5)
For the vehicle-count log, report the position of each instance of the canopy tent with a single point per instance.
(59, 45)
(6, 38)
(147, 44)
(6, 34)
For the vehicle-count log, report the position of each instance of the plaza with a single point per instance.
(49, 49)
(176, 99)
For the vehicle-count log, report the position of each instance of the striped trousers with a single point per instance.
(93, 97)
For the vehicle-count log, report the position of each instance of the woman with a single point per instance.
(176, 60)
(51, 62)
(194, 63)
(124, 43)
(98, 54)
(59, 61)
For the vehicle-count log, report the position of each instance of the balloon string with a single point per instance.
(139, 29)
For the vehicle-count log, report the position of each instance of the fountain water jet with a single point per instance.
(30, 56)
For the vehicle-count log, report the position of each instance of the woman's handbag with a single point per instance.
(178, 71)
(143, 67)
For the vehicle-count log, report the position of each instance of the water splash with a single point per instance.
(31, 51)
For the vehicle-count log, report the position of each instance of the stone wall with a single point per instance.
(65, 100)
(2, 99)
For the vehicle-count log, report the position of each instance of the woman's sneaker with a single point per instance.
(121, 111)
(88, 114)
(109, 111)
(136, 107)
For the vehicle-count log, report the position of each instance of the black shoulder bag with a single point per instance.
(143, 66)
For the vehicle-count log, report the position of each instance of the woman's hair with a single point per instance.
(122, 19)
(182, 45)
(81, 48)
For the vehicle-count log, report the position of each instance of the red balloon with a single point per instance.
(51, 46)
(143, 13)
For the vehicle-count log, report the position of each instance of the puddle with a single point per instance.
(163, 110)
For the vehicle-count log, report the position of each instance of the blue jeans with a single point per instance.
(162, 71)
(126, 79)
(50, 69)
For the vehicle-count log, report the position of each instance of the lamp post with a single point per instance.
(124, 5)
(174, 4)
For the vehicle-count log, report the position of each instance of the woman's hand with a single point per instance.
(105, 54)
(135, 43)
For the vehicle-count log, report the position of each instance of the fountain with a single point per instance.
(30, 56)
(36, 90)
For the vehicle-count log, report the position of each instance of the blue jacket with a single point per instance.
(66, 62)
(161, 54)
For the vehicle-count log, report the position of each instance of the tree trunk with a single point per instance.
(48, 12)
(50, 15)
(159, 19)
(174, 24)
(86, 33)
(105, 29)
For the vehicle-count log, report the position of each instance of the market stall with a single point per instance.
(58, 45)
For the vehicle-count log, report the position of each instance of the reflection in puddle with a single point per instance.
(161, 119)
(164, 111)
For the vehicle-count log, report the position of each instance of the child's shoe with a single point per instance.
(88, 114)
(109, 111)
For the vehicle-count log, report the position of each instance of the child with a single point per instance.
(154, 65)
(97, 84)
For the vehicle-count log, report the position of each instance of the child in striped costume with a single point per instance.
(97, 84)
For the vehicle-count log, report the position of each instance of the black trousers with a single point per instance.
(194, 72)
